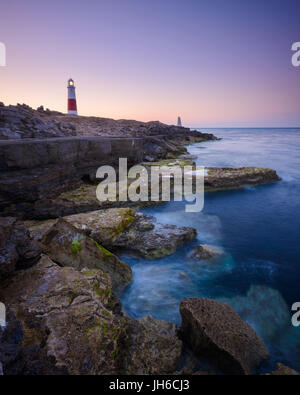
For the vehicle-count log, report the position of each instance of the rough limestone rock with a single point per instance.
(282, 370)
(152, 347)
(69, 246)
(61, 321)
(22, 121)
(233, 178)
(206, 252)
(126, 229)
(17, 249)
(214, 330)
(64, 321)
(123, 229)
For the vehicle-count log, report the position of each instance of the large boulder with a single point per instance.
(17, 249)
(214, 330)
(125, 229)
(69, 246)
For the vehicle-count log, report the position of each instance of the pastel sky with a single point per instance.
(214, 62)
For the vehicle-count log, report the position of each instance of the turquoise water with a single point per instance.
(258, 227)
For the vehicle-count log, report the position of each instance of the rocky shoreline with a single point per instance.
(60, 275)
(63, 315)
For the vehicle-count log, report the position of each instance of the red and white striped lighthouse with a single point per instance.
(72, 106)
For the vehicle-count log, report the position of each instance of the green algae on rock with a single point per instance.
(69, 322)
(58, 243)
(234, 178)
(124, 229)
(63, 315)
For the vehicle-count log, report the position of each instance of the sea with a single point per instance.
(258, 228)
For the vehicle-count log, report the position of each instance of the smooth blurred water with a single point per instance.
(259, 228)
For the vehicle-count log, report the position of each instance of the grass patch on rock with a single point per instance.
(76, 244)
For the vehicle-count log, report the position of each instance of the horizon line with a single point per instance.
(243, 127)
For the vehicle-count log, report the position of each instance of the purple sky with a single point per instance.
(214, 62)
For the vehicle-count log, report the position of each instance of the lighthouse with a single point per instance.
(179, 122)
(72, 106)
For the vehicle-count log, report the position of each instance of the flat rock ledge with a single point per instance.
(234, 178)
(215, 331)
(124, 229)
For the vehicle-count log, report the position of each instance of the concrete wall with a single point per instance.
(76, 151)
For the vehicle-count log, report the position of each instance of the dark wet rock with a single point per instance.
(282, 370)
(188, 157)
(20, 357)
(17, 249)
(187, 372)
(124, 229)
(80, 200)
(69, 246)
(152, 347)
(206, 252)
(265, 309)
(191, 364)
(215, 331)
